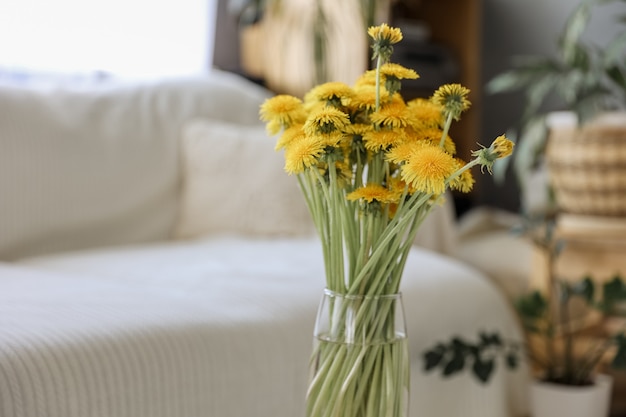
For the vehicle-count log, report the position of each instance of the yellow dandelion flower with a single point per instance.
(401, 152)
(396, 186)
(453, 99)
(365, 98)
(333, 139)
(301, 154)
(425, 113)
(311, 105)
(326, 120)
(359, 128)
(372, 193)
(290, 135)
(274, 126)
(428, 168)
(282, 111)
(384, 37)
(393, 115)
(376, 140)
(390, 69)
(385, 33)
(464, 182)
(368, 78)
(391, 76)
(432, 135)
(334, 92)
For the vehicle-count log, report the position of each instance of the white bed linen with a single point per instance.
(216, 328)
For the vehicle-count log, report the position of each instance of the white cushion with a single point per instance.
(234, 183)
(486, 242)
(83, 167)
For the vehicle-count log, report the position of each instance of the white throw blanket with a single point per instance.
(217, 328)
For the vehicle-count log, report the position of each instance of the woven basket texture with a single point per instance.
(587, 168)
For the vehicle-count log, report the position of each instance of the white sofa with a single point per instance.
(156, 261)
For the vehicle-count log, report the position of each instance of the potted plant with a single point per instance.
(586, 153)
(570, 336)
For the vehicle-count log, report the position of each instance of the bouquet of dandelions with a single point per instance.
(371, 167)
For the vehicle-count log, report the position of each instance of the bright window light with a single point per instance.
(134, 38)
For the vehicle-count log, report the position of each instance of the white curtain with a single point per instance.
(129, 38)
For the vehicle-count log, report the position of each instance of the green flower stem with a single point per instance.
(394, 229)
(458, 172)
(446, 129)
(365, 246)
(336, 232)
(318, 214)
(379, 245)
(379, 63)
(417, 222)
(328, 237)
(351, 233)
(366, 376)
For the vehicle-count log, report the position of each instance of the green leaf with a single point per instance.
(527, 71)
(585, 289)
(490, 339)
(506, 82)
(574, 27)
(619, 361)
(570, 86)
(531, 143)
(456, 364)
(483, 369)
(459, 345)
(581, 58)
(614, 51)
(533, 305)
(432, 359)
(512, 361)
(618, 76)
(613, 292)
(537, 92)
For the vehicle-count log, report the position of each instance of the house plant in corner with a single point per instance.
(570, 337)
(585, 154)
(371, 167)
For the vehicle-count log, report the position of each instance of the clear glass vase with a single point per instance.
(360, 362)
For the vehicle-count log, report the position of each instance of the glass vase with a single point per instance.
(360, 362)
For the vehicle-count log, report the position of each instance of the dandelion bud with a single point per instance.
(500, 148)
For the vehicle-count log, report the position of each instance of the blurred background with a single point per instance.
(467, 41)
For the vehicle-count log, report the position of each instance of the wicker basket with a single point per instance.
(587, 166)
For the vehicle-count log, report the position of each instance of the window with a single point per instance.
(130, 38)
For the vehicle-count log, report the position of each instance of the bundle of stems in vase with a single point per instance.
(371, 167)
